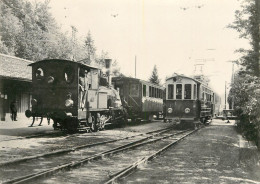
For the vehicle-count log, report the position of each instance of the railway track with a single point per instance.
(15, 164)
(79, 158)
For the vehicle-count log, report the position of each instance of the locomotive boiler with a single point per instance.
(74, 95)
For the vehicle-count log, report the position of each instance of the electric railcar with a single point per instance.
(189, 100)
(74, 95)
(143, 100)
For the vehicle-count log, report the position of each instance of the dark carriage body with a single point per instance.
(188, 100)
(144, 99)
(58, 94)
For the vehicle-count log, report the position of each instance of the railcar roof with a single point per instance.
(195, 80)
(139, 80)
(62, 60)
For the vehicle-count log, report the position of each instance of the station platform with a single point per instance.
(21, 126)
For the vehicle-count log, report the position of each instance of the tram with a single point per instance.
(189, 100)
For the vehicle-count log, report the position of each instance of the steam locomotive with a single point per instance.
(74, 95)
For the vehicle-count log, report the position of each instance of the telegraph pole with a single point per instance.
(257, 3)
(135, 66)
(225, 95)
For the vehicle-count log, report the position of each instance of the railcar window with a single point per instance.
(69, 74)
(156, 93)
(144, 90)
(150, 91)
(194, 91)
(134, 89)
(170, 91)
(187, 91)
(179, 91)
(39, 74)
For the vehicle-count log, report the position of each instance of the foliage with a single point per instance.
(90, 49)
(29, 31)
(245, 89)
(154, 77)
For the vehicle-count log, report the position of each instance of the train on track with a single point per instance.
(143, 100)
(190, 100)
(74, 95)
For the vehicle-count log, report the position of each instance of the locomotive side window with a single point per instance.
(134, 89)
(144, 90)
(187, 91)
(39, 74)
(178, 91)
(69, 74)
(170, 91)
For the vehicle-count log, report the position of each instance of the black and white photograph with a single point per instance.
(130, 91)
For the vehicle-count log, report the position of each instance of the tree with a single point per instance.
(29, 31)
(246, 23)
(245, 88)
(154, 77)
(90, 49)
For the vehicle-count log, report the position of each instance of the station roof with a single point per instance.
(15, 68)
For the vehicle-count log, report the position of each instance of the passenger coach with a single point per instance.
(142, 99)
(188, 100)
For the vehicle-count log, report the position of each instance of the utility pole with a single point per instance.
(73, 37)
(225, 95)
(257, 3)
(135, 66)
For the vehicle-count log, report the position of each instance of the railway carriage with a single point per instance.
(142, 99)
(73, 95)
(188, 100)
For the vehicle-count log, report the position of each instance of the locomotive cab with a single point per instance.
(70, 94)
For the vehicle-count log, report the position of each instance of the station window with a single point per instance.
(170, 91)
(178, 91)
(187, 91)
(144, 90)
(195, 91)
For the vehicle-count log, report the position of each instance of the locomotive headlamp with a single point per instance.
(187, 110)
(50, 80)
(69, 102)
(169, 110)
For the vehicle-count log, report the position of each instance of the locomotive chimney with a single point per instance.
(108, 63)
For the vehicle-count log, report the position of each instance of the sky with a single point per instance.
(174, 35)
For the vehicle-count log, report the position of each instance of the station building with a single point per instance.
(15, 85)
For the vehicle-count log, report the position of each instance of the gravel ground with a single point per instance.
(13, 148)
(215, 154)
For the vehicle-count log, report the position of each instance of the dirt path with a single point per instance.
(215, 154)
